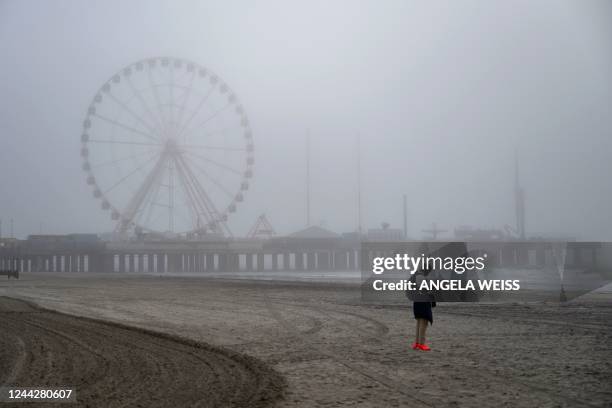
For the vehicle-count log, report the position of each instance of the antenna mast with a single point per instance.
(359, 220)
(405, 216)
(308, 178)
(519, 200)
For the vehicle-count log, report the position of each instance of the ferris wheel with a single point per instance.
(167, 147)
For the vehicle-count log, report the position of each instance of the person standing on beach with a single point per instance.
(422, 306)
(423, 315)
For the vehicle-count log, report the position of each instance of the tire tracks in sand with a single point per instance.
(115, 365)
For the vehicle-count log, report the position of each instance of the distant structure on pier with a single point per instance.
(261, 229)
(434, 231)
(385, 233)
(314, 232)
(468, 233)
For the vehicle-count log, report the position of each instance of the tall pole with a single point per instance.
(359, 219)
(12, 236)
(405, 216)
(519, 198)
(308, 178)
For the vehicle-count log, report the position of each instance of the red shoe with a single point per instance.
(423, 347)
(415, 346)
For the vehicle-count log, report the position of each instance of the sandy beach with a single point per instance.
(330, 349)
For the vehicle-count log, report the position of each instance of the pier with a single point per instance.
(87, 253)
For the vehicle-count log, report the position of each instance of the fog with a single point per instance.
(440, 94)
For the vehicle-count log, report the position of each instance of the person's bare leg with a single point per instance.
(417, 332)
(422, 331)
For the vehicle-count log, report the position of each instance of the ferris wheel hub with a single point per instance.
(172, 146)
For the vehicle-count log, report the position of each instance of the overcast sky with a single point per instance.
(441, 93)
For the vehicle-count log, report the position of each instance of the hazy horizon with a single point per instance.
(440, 95)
